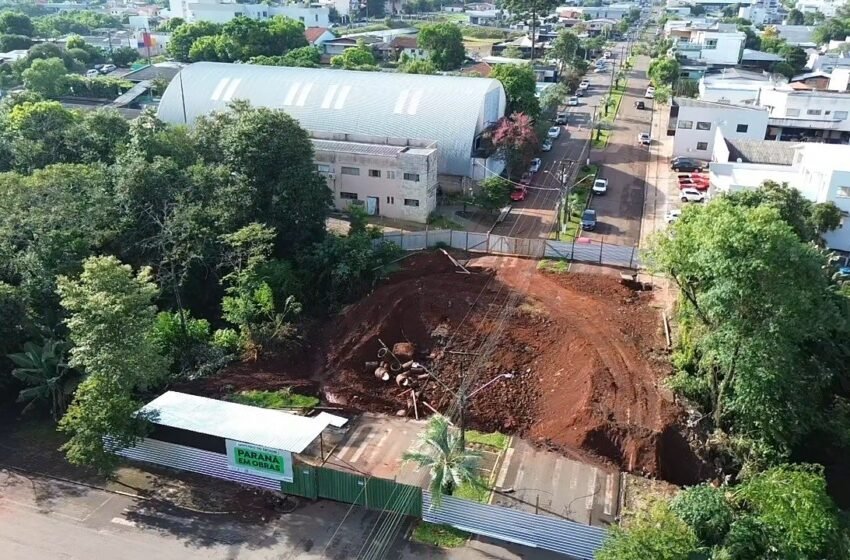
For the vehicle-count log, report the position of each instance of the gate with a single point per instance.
(521, 527)
(303, 483)
(370, 492)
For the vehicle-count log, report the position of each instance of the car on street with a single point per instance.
(584, 84)
(526, 178)
(640, 105)
(691, 195)
(562, 118)
(687, 164)
(607, 54)
(519, 194)
(695, 176)
(672, 215)
(547, 145)
(93, 73)
(107, 68)
(554, 132)
(599, 70)
(588, 220)
(650, 92)
(691, 184)
(535, 165)
(573, 101)
(600, 186)
(580, 93)
(644, 139)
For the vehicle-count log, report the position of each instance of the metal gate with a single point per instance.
(369, 492)
(540, 531)
(304, 482)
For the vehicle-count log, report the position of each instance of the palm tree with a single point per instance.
(439, 451)
(48, 377)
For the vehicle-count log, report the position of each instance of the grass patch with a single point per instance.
(476, 491)
(495, 440)
(441, 222)
(602, 135)
(439, 535)
(274, 399)
(556, 266)
(571, 224)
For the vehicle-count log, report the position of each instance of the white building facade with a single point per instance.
(218, 11)
(795, 115)
(694, 125)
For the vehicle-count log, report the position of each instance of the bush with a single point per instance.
(227, 340)
(706, 510)
(282, 399)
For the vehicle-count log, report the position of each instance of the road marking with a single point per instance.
(361, 448)
(503, 472)
(86, 518)
(124, 522)
(609, 493)
(349, 441)
(377, 447)
(591, 489)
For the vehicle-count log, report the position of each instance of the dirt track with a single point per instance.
(587, 354)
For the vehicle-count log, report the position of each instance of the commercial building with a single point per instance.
(715, 44)
(805, 114)
(394, 178)
(734, 86)
(221, 11)
(456, 113)
(820, 172)
(694, 125)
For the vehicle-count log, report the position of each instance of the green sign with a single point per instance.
(258, 460)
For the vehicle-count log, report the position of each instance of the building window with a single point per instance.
(742, 128)
(840, 115)
(390, 174)
(792, 112)
(412, 177)
(843, 192)
(703, 125)
(813, 111)
(390, 200)
(375, 173)
(685, 125)
(348, 195)
(411, 202)
(350, 170)
(323, 169)
(710, 44)
(702, 145)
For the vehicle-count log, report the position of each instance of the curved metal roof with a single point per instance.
(447, 109)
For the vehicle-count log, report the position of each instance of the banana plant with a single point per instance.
(49, 379)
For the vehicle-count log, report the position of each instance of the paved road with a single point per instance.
(534, 217)
(47, 519)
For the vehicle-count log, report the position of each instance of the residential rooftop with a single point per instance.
(771, 152)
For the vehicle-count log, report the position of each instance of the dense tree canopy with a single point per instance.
(520, 88)
(444, 43)
(240, 39)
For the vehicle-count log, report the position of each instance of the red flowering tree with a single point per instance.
(516, 141)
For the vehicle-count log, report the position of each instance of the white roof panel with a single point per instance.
(248, 424)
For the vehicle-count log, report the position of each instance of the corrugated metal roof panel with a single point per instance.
(356, 148)
(249, 424)
(449, 110)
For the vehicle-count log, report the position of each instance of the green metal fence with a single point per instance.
(369, 492)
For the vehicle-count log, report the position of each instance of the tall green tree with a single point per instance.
(530, 12)
(655, 533)
(185, 35)
(664, 71)
(444, 43)
(43, 76)
(356, 58)
(795, 17)
(439, 451)
(110, 322)
(16, 23)
(565, 49)
(520, 88)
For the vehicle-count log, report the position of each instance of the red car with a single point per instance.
(695, 176)
(519, 193)
(692, 184)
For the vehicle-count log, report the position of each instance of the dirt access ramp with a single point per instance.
(587, 353)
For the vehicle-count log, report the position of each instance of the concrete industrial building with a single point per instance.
(455, 115)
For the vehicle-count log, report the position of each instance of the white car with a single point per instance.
(692, 195)
(107, 68)
(650, 92)
(93, 73)
(600, 186)
(584, 84)
(672, 215)
(554, 132)
(547, 145)
(644, 139)
(573, 101)
(535, 165)
(599, 69)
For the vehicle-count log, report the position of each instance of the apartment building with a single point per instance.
(222, 11)
(734, 86)
(694, 125)
(714, 44)
(395, 178)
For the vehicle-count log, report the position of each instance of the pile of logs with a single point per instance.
(398, 364)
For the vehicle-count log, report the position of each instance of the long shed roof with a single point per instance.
(240, 422)
(447, 109)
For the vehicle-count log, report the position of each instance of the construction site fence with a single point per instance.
(539, 531)
(578, 250)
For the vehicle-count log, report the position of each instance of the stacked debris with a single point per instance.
(409, 375)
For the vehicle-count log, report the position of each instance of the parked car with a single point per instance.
(519, 194)
(672, 215)
(640, 105)
(584, 84)
(686, 164)
(650, 92)
(580, 93)
(691, 195)
(107, 68)
(573, 101)
(696, 176)
(691, 184)
(93, 73)
(588, 220)
(547, 145)
(599, 70)
(535, 165)
(526, 178)
(554, 132)
(607, 54)
(644, 139)
(562, 118)
(600, 186)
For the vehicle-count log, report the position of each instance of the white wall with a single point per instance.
(808, 106)
(218, 12)
(699, 142)
(839, 238)
(727, 50)
(731, 94)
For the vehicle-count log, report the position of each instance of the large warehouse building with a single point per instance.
(455, 114)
